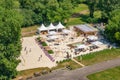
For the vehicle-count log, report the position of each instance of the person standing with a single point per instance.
(26, 52)
(41, 56)
(30, 50)
(25, 48)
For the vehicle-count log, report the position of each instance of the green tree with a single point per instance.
(10, 45)
(92, 6)
(9, 4)
(112, 30)
(107, 6)
(52, 7)
(66, 9)
(28, 16)
(46, 11)
(37, 9)
(117, 36)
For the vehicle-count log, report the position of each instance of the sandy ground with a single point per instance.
(31, 56)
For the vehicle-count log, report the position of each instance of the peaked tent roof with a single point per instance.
(51, 26)
(42, 28)
(60, 26)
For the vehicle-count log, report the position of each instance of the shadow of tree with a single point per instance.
(75, 15)
(84, 18)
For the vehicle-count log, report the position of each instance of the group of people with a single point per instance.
(77, 51)
(25, 49)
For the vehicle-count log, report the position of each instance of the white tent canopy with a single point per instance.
(60, 26)
(42, 28)
(81, 46)
(51, 27)
(52, 37)
(52, 33)
(92, 37)
(65, 31)
(97, 43)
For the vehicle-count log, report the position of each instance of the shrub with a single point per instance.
(92, 20)
(44, 44)
(50, 52)
(38, 38)
(57, 62)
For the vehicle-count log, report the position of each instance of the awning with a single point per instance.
(66, 31)
(81, 46)
(52, 33)
(92, 37)
(52, 37)
(97, 43)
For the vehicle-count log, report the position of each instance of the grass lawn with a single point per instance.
(110, 74)
(65, 63)
(78, 19)
(27, 73)
(29, 31)
(81, 15)
(97, 14)
(74, 21)
(81, 7)
(83, 18)
(96, 57)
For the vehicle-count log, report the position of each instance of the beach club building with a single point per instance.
(86, 29)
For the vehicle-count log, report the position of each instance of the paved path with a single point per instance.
(81, 73)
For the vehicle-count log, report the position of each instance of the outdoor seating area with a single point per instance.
(66, 44)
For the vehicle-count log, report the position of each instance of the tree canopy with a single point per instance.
(92, 5)
(107, 6)
(113, 28)
(45, 11)
(10, 46)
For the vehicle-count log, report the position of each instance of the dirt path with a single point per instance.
(78, 62)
